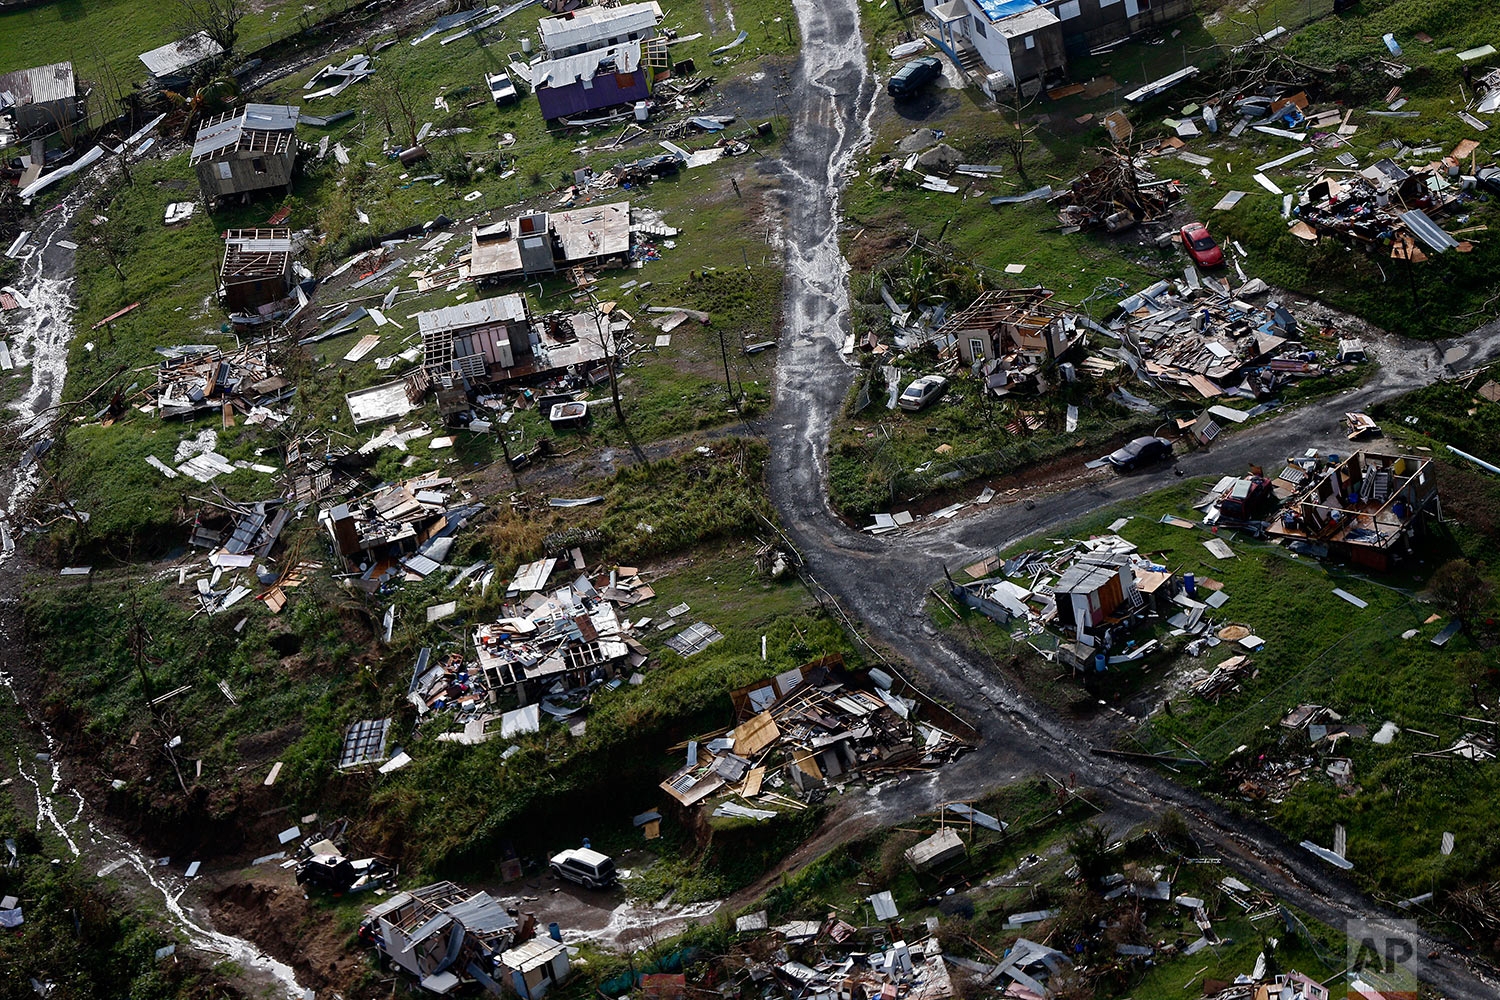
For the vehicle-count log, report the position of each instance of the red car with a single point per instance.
(1201, 246)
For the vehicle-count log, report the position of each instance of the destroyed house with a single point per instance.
(591, 80)
(542, 242)
(1203, 341)
(571, 638)
(202, 379)
(1018, 43)
(392, 531)
(239, 533)
(1017, 332)
(240, 152)
(1368, 509)
(39, 101)
(442, 935)
(813, 724)
(1383, 207)
(598, 27)
(257, 268)
(175, 64)
(1091, 592)
(483, 341)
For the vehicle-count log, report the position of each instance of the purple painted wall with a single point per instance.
(557, 102)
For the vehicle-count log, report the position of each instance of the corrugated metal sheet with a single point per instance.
(174, 57)
(38, 85)
(254, 117)
(501, 309)
(283, 245)
(1429, 232)
(593, 25)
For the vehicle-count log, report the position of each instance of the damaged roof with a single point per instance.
(622, 58)
(597, 24)
(183, 54)
(500, 309)
(227, 131)
(38, 85)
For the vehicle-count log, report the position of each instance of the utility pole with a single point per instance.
(724, 351)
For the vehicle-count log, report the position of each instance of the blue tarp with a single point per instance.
(998, 9)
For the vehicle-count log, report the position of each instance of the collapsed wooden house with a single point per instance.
(257, 268)
(1370, 509)
(1012, 335)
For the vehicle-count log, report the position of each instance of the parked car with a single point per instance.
(1201, 246)
(923, 392)
(1141, 451)
(914, 76)
(502, 88)
(585, 866)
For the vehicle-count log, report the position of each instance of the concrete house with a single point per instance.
(257, 268)
(40, 101)
(597, 28)
(542, 242)
(591, 80)
(1006, 43)
(1088, 24)
(241, 152)
(1370, 509)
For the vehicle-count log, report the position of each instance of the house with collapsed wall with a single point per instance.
(1011, 336)
(569, 638)
(496, 340)
(1384, 206)
(1370, 509)
(540, 243)
(1091, 592)
(39, 101)
(398, 531)
(257, 268)
(446, 937)
(811, 725)
(194, 381)
(245, 151)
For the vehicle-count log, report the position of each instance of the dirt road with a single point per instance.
(882, 580)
